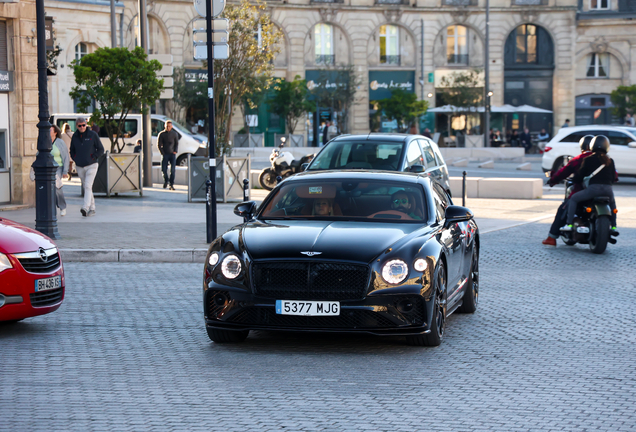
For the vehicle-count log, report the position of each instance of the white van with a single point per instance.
(188, 143)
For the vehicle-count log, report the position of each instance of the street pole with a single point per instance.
(145, 118)
(422, 55)
(44, 165)
(487, 79)
(210, 203)
(113, 25)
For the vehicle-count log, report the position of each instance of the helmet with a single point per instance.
(584, 143)
(600, 143)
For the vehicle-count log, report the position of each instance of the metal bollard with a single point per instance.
(246, 190)
(464, 189)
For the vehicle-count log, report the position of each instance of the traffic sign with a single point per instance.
(217, 7)
(217, 38)
(218, 24)
(221, 52)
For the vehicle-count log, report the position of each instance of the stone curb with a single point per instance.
(134, 255)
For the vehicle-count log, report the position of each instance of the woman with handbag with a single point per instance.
(59, 151)
(597, 173)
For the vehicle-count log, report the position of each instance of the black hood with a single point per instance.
(353, 241)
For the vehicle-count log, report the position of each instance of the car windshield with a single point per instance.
(180, 127)
(359, 155)
(348, 199)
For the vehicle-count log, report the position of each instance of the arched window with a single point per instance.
(323, 37)
(457, 45)
(526, 47)
(80, 51)
(598, 65)
(389, 45)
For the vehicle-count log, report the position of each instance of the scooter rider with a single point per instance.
(600, 184)
(559, 176)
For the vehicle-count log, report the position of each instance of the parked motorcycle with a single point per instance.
(592, 225)
(283, 165)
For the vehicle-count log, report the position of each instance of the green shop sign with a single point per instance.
(382, 82)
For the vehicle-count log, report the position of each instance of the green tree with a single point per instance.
(403, 107)
(624, 100)
(259, 87)
(290, 101)
(337, 90)
(119, 81)
(464, 90)
(252, 44)
(188, 95)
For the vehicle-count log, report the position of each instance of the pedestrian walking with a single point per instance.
(566, 124)
(67, 135)
(137, 148)
(629, 120)
(168, 143)
(61, 158)
(526, 140)
(427, 133)
(86, 149)
(325, 133)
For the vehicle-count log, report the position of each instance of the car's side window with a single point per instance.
(71, 123)
(413, 155)
(438, 155)
(618, 138)
(573, 137)
(156, 126)
(428, 154)
(440, 205)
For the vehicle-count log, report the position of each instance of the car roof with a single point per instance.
(571, 129)
(392, 137)
(375, 175)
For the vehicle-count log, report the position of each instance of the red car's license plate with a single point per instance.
(48, 283)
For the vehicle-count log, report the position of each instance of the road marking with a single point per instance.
(537, 219)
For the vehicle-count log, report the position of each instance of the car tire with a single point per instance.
(226, 336)
(438, 321)
(182, 160)
(471, 295)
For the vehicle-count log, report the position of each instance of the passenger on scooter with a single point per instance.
(557, 177)
(600, 182)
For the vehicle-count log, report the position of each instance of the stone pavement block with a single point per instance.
(89, 255)
(488, 164)
(156, 255)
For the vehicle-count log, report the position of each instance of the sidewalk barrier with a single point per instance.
(230, 171)
(293, 140)
(118, 173)
(248, 140)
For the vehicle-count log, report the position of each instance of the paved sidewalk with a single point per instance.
(163, 226)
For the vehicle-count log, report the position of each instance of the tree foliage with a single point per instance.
(188, 95)
(624, 100)
(252, 44)
(463, 89)
(119, 81)
(290, 100)
(339, 95)
(403, 107)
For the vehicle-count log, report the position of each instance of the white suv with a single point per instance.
(566, 143)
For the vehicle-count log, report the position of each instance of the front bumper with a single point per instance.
(395, 314)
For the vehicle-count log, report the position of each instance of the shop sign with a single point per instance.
(381, 83)
(324, 79)
(6, 81)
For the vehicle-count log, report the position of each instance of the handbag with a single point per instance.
(586, 179)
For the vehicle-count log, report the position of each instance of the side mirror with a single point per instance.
(417, 169)
(632, 144)
(245, 210)
(304, 167)
(456, 214)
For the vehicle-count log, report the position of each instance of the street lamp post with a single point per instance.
(487, 92)
(44, 165)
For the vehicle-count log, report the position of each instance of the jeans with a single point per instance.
(592, 191)
(172, 158)
(60, 202)
(559, 220)
(87, 175)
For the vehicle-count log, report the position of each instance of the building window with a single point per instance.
(526, 44)
(324, 44)
(456, 45)
(597, 66)
(599, 4)
(390, 45)
(80, 51)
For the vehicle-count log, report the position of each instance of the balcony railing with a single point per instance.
(392, 2)
(458, 59)
(461, 2)
(529, 2)
(390, 59)
(326, 59)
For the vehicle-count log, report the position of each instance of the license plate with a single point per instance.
(48, 283)
(307, 308)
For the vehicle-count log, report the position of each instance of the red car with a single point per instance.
(31, 273)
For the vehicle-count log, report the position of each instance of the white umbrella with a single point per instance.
(527, 109)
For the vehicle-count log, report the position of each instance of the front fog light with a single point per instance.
(395, 271)
(420, 264)
(214, 259)
(231, 267)
(4, 262)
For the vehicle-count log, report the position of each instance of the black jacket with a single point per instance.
(86, 148)
(168, 142)
(606, 176)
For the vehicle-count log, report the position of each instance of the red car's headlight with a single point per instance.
(4, 263)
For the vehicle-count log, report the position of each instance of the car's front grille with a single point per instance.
(293, 280)
(348, 319)
(38, 265)
(47, 298)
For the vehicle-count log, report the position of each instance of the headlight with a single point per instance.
(395, 271)
(420, 264)
(4, 262)
(214, 258)
(203, 145)
(231, 267)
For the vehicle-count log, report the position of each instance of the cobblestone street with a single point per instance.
(551, 347)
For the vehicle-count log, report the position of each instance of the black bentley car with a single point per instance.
(378, 252)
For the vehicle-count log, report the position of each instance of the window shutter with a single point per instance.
(4, 53)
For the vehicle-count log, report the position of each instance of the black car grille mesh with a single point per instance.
(47, 298)
(213, 302)
(416, 315)
(348, 319)
(310, 281)
(36, 265)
